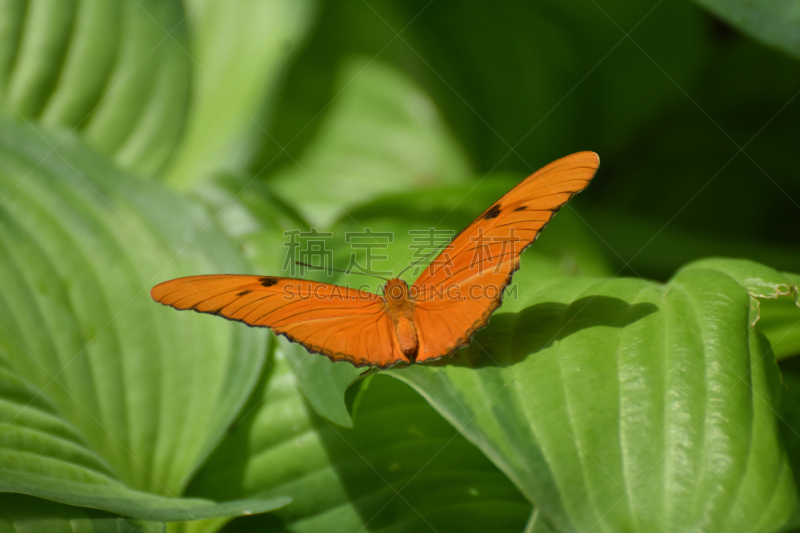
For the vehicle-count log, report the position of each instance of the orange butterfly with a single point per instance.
(453, 298)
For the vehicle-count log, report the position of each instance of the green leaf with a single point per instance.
(19, 513)
(111, 401)
(758, 280)
(43, 455)
(250, 214)
(536, 524)
(348, 479)
(198, 526)
(789, 417)
(773, 22)
(780, 322)
(774, 294)
(322, 382)
(382, 134)
(238, 55)
(626, 405)
(172, 87)
(105, 69)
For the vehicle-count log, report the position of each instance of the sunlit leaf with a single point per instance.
(237, 56)
(626, 405)
(776, 296)
(113, 71)
(112, 401)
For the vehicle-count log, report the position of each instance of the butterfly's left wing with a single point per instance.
(461, 288)
(342, 323)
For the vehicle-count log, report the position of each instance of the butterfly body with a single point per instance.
(400, 307)
(452, 298)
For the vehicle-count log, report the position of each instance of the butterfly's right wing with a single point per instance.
(463, 286)
(342, 323)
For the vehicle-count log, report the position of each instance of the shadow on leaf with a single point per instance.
(512, 337)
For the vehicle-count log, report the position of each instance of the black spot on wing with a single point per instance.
(520, 208)
(244, 292)
(493, 212)
(268, 282)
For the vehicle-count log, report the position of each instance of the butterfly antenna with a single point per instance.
(418, 261)
(337, 270)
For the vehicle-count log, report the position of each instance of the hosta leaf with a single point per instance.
(142, 393)
(198, 526)
(780, 323)
(773, 22)
(238, 53)
(106, 69)
(246, 209)
(150, 81)
(323, 382)
(42, 454)
(348, 479)
(381, 134)
(536, 524)
(626, 405)
(25, 514)
(789, 418)
(774, 293)
(758, 280)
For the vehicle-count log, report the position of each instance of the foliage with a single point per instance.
(629, 381)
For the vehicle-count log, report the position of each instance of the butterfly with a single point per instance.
(453, 297)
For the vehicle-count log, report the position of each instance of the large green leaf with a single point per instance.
(774, 22)
(238, 55)
(626, 405)
(42, 454)
(760, 281)
(249, 213)
(25, 514)
(106, 69)
(401, 468)
(780, 323)
(382, 134)
(184, 85)
(537, 524)
(789, 417)
(775, 295)
(112, 401)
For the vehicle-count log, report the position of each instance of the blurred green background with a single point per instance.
(666, 93)
(142, 140)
